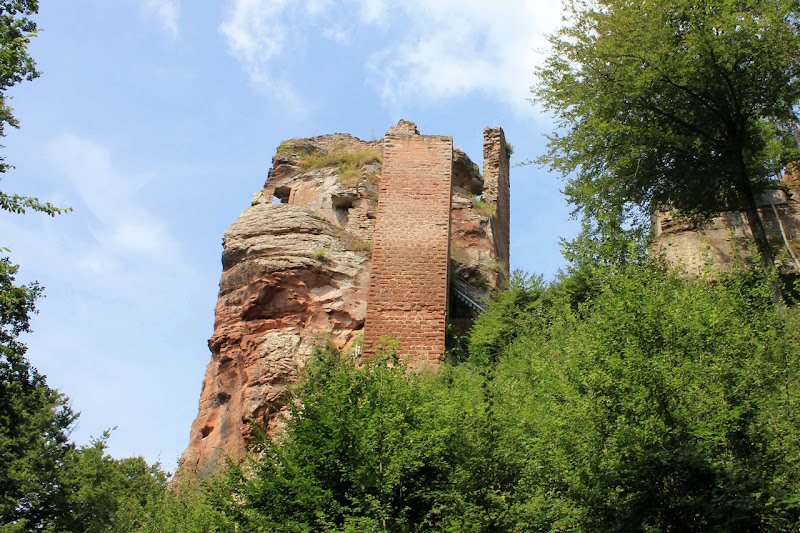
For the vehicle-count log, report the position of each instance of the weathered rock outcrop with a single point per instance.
(296, 269)
(712, 244)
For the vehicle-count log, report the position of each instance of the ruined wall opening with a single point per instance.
(281, 195)
(341, 208)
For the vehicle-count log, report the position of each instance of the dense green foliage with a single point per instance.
(621, 397)
(662, 404)
(34, 419)
(648, 403)
(645, 402)
(680, 104)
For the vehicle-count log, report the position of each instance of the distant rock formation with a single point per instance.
(712, 244)
(297, 270)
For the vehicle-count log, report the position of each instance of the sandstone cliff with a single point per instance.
(295, 274)
(712, 244)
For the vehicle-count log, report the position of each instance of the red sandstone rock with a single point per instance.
(296, 272)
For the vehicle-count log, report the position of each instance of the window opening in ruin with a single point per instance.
(341, 209)
(281, 195)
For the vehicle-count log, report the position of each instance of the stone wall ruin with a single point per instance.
(347, 240)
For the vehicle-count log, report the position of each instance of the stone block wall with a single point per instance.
(703, 246)
(408, 288)
(496, 188)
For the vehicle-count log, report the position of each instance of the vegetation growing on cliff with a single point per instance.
(349, 163)
(483, 207)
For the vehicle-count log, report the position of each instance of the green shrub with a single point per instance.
(347, 163)
(483, 207)
(295, 147)
(354, 243)
(509, 149)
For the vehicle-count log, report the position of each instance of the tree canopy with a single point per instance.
(49, 483)
(34, 419)
(683, 105)
(658, 403)
(16, 64)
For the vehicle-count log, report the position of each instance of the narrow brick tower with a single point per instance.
(407, 296)
(409, 286)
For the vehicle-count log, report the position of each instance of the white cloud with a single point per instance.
(454, 47)
(166, 11)
(317, 7)
(124, 232)
(256, 34)
(372, 11)
(430, 50)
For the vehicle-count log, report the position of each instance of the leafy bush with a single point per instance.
(360, 451)
(651, 403)
(663, 404)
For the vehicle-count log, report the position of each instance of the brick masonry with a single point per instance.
(496, 188)
(408, 287)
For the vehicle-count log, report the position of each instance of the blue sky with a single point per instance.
(156, 120)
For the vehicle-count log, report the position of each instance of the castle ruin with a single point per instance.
(708, 245)
(349, 241)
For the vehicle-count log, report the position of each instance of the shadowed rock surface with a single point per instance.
(700, 245)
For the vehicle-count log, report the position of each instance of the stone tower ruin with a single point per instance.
(349, 241)
(709, 245)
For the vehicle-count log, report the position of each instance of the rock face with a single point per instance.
(296, 272)
(712, 244)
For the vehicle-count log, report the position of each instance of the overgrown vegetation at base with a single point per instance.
(645, 402)
(622, 397)
(618, 398)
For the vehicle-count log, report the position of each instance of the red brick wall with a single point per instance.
(407, 296)
(496, 188)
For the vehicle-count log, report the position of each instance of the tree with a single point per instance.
(364, 450)
(16, 65)
(668, 404)
(99, 491)
(683, 105)
(48, 482)
(35, 420)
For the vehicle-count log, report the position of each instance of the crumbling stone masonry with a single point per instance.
(407, 298)
(497, 188)
(409, 280)
(409, 242)
(699, 246)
